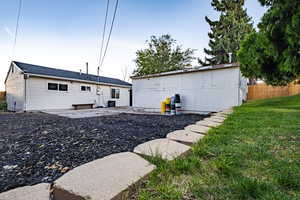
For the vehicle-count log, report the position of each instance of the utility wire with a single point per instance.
(17, 28)
(101, 50)
(103, 34)
(109, 36)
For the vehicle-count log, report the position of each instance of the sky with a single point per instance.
(66, 34)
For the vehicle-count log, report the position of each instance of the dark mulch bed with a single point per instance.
(39, 147)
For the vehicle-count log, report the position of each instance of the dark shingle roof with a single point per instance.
(47, 71)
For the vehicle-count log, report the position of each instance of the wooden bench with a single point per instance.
(83, 106)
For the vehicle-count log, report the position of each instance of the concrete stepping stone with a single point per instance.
(197, 128)
(220, 115)
(167, 149)
(208, 123)
(215, 119)
(227, 112)
(105, 179)
(35, 192)
(184, 136)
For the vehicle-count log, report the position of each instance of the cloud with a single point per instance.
(9, 32)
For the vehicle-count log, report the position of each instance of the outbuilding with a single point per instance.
(32, 87)
(202, 89)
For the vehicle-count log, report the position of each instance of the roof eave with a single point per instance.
(15, 65)
(184, 71)
(77, 80)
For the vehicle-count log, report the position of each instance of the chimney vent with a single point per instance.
(87, 68)
(230, 57)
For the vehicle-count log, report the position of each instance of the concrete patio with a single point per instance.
(97, 112)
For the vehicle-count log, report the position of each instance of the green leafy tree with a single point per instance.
(162, 55)
(227, 32)
(273, 53)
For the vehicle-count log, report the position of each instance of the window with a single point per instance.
(12, 69)
(56, 86)
(63, 87)
(115, 93)
(86, 88)
(52, 86)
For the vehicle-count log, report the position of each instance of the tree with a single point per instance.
(162, 55)
(273, 53)
(227, 32)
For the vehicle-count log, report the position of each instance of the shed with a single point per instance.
(202, 89)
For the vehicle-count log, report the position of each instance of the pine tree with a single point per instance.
(227, 32)
(273, 52)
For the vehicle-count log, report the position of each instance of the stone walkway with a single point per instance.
(167, 149)
(197, 128)
(105, 179)
(36, 192)
(185, 137)
(112, 176)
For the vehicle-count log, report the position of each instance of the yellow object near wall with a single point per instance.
(163, 107)
(168, 100)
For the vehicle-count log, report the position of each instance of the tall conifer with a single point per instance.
(227, 32)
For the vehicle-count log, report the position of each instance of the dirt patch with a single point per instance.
(39, 147)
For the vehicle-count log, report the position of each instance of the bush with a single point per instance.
(3, 106)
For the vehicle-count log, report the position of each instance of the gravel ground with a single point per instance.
(38, 147)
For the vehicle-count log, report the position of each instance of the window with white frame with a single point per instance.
(115, 93)
(58, 87)
(63, 87)
(85, 88)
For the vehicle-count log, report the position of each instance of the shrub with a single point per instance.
(3, 106)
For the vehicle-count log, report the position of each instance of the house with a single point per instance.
(32, 87)
(202, 89)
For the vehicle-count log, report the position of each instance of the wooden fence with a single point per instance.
(263, 91)
(2, 96)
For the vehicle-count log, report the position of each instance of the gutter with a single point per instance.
(184, 71)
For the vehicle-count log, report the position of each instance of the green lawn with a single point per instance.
(255, 154)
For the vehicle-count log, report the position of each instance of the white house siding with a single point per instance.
(202, 91)
(40, 98)
(15, 86)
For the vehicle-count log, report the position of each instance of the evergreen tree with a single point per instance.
(273, 53)
(227, 32)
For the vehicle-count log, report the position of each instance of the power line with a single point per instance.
(109, 36)
(103, 34)
(17, 27)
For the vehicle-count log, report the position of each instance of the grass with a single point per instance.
(255, 154)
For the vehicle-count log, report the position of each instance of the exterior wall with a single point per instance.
(15, 87)
(38, 97)
(204, 91)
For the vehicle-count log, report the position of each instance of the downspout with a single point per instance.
(239, 85)
(25, 93)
